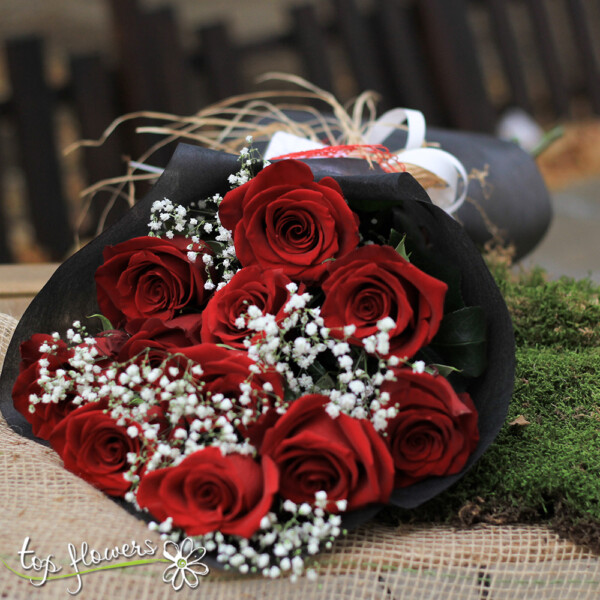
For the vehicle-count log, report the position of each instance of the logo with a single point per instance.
(185, 567)
(186, 564)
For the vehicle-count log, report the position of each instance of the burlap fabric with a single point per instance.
(42, 501)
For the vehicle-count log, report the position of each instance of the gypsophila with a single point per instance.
(278, 546)
(171, 410)
(200, 222)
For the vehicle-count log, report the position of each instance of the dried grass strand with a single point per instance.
(226, 125)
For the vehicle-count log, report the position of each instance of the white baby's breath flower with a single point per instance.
(386, 324)
(349, 330)
(340, 348)
(304, 509)
(370, 344)
(332, 410)
(342, 505)
(418, 366)
(321, 498)
(311, 329)
(357, 386)
(166, 525)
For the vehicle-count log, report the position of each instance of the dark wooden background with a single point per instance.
(462, 62)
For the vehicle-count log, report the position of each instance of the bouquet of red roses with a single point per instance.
(271, 357)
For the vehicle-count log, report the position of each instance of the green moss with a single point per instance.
(551, 465)
(563, 314)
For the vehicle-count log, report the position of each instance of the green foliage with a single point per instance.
(563, 314)
(550, 456)
(106, 324)
(461, 339)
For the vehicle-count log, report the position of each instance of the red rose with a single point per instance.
(191, 324)
(109, 343)
(150, 277)
(375, 282)
(435, 430)
(155, 337)
(95, 448)
(211, 492)
(223, 371)
(344, 456)
(250, 286)
(283, 219)
(47, 414)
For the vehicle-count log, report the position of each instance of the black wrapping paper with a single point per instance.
(195, 173)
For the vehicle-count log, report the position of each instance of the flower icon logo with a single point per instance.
(186, 565)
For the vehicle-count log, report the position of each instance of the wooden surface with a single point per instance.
(20, 283)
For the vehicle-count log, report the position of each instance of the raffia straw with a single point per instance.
(426, 178)
(226, 125)
(107, 183)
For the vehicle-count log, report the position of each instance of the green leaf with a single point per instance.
(444, 370)
(398, 241)
(216, 247)
(547, 140)
(325, 383)
(106, 324)
(317, 370)
(461, 340)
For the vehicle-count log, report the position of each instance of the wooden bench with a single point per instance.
(20, 283)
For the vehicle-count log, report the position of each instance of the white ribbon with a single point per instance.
(440, 163)
(445, 166)
(283, 143)
(389, 121)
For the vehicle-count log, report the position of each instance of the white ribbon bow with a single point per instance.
(442, 164)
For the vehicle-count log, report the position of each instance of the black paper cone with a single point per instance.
(195, 173)
(511, 194)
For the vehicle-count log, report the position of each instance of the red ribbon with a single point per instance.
(376, 152)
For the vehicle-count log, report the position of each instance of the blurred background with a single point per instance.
(69, 67)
